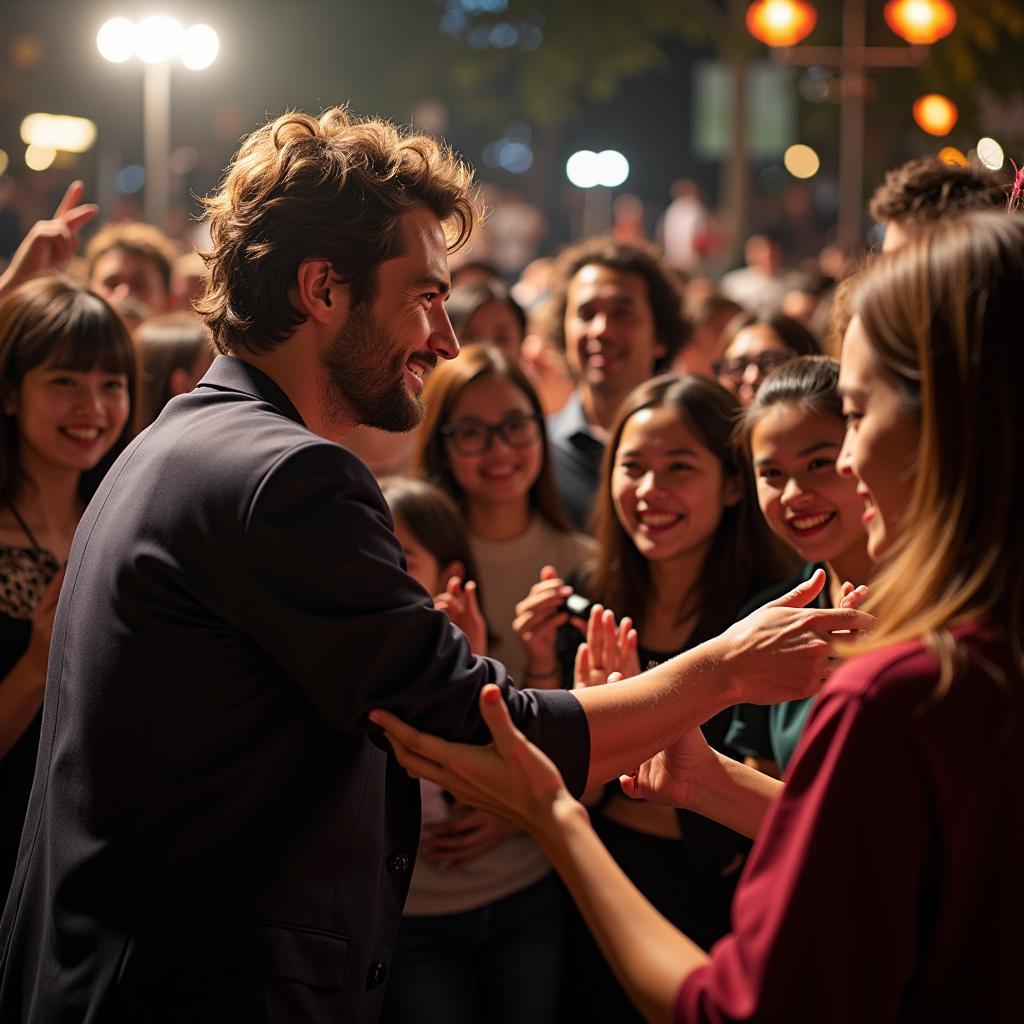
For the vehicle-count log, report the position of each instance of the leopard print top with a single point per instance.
(24, 574)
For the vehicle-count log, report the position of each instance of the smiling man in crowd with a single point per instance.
(617, 312)
(213, 834)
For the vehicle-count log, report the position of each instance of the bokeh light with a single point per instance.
(39, 158)
(160, 39)
(117, 40)
(801, 161)
(200, 47)
(952, 155)
(990, 153)
(935, 114)
(58, 131)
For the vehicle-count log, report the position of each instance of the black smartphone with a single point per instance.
(578, 606)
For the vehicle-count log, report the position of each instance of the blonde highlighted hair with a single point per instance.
(943, 317)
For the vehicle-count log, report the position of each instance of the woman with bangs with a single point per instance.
(67, 383)
(681, 548)
(885, 881)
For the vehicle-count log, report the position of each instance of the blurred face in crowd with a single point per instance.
(611, 343)
(668, 489)
(807, 504)
(495, 323)
(880, 448)
(422, 564)
(754, 353)
(493, 443)
(119, 274)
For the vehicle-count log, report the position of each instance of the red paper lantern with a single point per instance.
(920, 21)
(781, 22)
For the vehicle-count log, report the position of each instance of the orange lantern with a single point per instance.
(920, 21)
(781, 22)
(935, 114)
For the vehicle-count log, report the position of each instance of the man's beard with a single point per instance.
(366, 376)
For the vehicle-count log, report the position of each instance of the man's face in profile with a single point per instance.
(388, 344)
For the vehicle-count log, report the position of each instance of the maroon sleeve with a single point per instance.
(826, 918)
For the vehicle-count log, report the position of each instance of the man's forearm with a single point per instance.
(633, 719)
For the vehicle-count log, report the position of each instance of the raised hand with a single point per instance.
(538, 617)
(608, 649)
(49, 244)
(782, 651)
(460, 602)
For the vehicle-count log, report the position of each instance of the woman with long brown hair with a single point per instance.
(885, 883)
(681, 548)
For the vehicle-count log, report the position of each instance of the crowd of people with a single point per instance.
(258, 523)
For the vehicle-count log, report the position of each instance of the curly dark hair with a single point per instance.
(928, 189)
(332, 187)
(671, 325)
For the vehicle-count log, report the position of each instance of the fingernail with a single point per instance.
(375, 717)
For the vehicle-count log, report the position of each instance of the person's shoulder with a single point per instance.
(909, 673)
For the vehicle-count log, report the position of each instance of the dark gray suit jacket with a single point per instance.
(214, 833)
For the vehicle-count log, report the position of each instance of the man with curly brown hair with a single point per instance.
(214, 834)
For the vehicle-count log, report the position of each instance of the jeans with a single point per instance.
(498, 964)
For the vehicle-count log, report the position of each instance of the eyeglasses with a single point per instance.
(736, 367)
(474, 437)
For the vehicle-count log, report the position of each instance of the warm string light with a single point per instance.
(781, 22)
(920, 21)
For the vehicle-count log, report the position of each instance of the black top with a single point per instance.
(24, 575)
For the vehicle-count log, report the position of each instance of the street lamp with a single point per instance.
(597, 174)
(156, 41)
(917, 22)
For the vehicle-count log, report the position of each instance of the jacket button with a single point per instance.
(399, 863)
(376, 976)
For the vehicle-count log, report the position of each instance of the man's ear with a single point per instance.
(319, 294)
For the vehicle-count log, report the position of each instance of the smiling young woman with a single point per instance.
(67, 381)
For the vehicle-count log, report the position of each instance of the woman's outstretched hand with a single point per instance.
(510, 776)
(668, 777)
(609, 649)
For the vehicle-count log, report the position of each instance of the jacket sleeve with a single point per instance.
(324, 591)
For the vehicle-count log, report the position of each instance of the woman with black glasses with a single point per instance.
(755, 345)
(484, 910)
